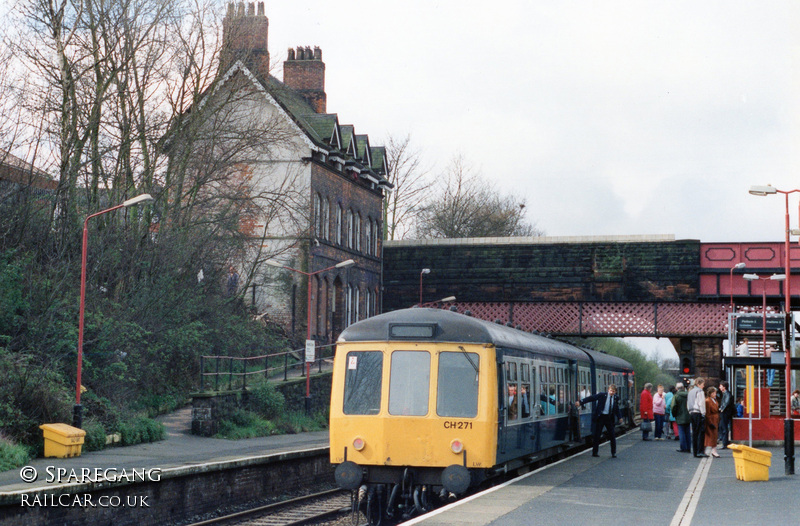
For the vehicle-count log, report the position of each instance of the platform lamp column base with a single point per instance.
(788, 445)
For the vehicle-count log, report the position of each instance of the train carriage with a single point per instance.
(428, 402)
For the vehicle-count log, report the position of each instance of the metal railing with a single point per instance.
(235, 370)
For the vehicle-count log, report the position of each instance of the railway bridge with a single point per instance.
(651, 286)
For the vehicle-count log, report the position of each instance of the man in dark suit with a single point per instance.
(605, 415)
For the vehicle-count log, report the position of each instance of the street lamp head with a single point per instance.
(448, 299)
(740, 265)
(345, 263)
(426, 271)
(763, 190)
(139, 199)
(750, 277)
(778, 277)
(273, 263)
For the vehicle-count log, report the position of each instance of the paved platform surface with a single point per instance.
(180, 449)
(648, 483)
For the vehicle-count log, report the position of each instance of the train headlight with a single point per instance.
(358, 444)
(456, 446)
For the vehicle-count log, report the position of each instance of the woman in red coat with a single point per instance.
(712, 421)
(646, 409)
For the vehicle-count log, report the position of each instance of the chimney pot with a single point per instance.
(241, 9)
(251, 9)
(290, 54)
(231, 9)
(261, 9)
(317, 53)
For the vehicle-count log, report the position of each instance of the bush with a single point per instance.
(245, 424)
(266, 400)
(141, 430)
(95, 438)
(12, 455)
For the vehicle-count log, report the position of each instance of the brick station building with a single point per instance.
(335, 176)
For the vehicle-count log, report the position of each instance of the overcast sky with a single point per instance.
(608, 117)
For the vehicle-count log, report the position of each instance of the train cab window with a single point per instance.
(457, 394)
(362, 383)
(409, 383)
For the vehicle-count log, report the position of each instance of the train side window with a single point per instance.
(409, 383)
(457, 393)
(524, 391)
(542, 374)
(544, 399)
(362, 383)
(512, 400)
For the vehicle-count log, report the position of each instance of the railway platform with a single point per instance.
(648, 483)
(180, 451)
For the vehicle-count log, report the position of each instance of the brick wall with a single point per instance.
(542, 271)
(180, 494)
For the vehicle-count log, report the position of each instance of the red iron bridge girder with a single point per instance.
(606, 319)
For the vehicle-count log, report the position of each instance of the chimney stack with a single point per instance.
(304, 72)
(244, 37)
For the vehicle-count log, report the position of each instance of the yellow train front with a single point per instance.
(411, 409)
(427, 403)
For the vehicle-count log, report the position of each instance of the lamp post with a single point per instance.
(310, 344)
(735, 267)
(77, 412)
(422, 273)
(788, 424)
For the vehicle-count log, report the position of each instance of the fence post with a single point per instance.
(285, 366)
(202, 371)
(266, 367)
(216, 376)
(230, 375)
(244, 376)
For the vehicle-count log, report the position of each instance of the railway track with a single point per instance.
(308, 509)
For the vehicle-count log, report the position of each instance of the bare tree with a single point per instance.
(402, 204)
(464, 204)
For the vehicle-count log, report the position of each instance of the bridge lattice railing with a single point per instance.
(606, 318)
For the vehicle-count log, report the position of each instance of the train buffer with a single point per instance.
(648, 483)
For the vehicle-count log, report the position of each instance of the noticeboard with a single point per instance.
(756, 323)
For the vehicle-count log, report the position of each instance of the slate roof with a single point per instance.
(324, 129)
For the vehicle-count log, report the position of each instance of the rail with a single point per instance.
(235, 370)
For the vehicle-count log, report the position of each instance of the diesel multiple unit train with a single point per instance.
(428, 403)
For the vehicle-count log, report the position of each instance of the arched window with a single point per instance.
(350, 229)
(339, 221)
(376, 238)
(317, 215)
(368, 236)
(326, 219)
(357, 233)
(348, 306)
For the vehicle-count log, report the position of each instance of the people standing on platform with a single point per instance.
(659, 412)
(605, 416)
(796, 402)
(671, 426)
(740, 407)
(695, 402)
(680, 413)
(743, 349)
(646, 410)
(726, 410)
(712, 422)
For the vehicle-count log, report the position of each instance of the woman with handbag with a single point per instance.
(712, 422)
